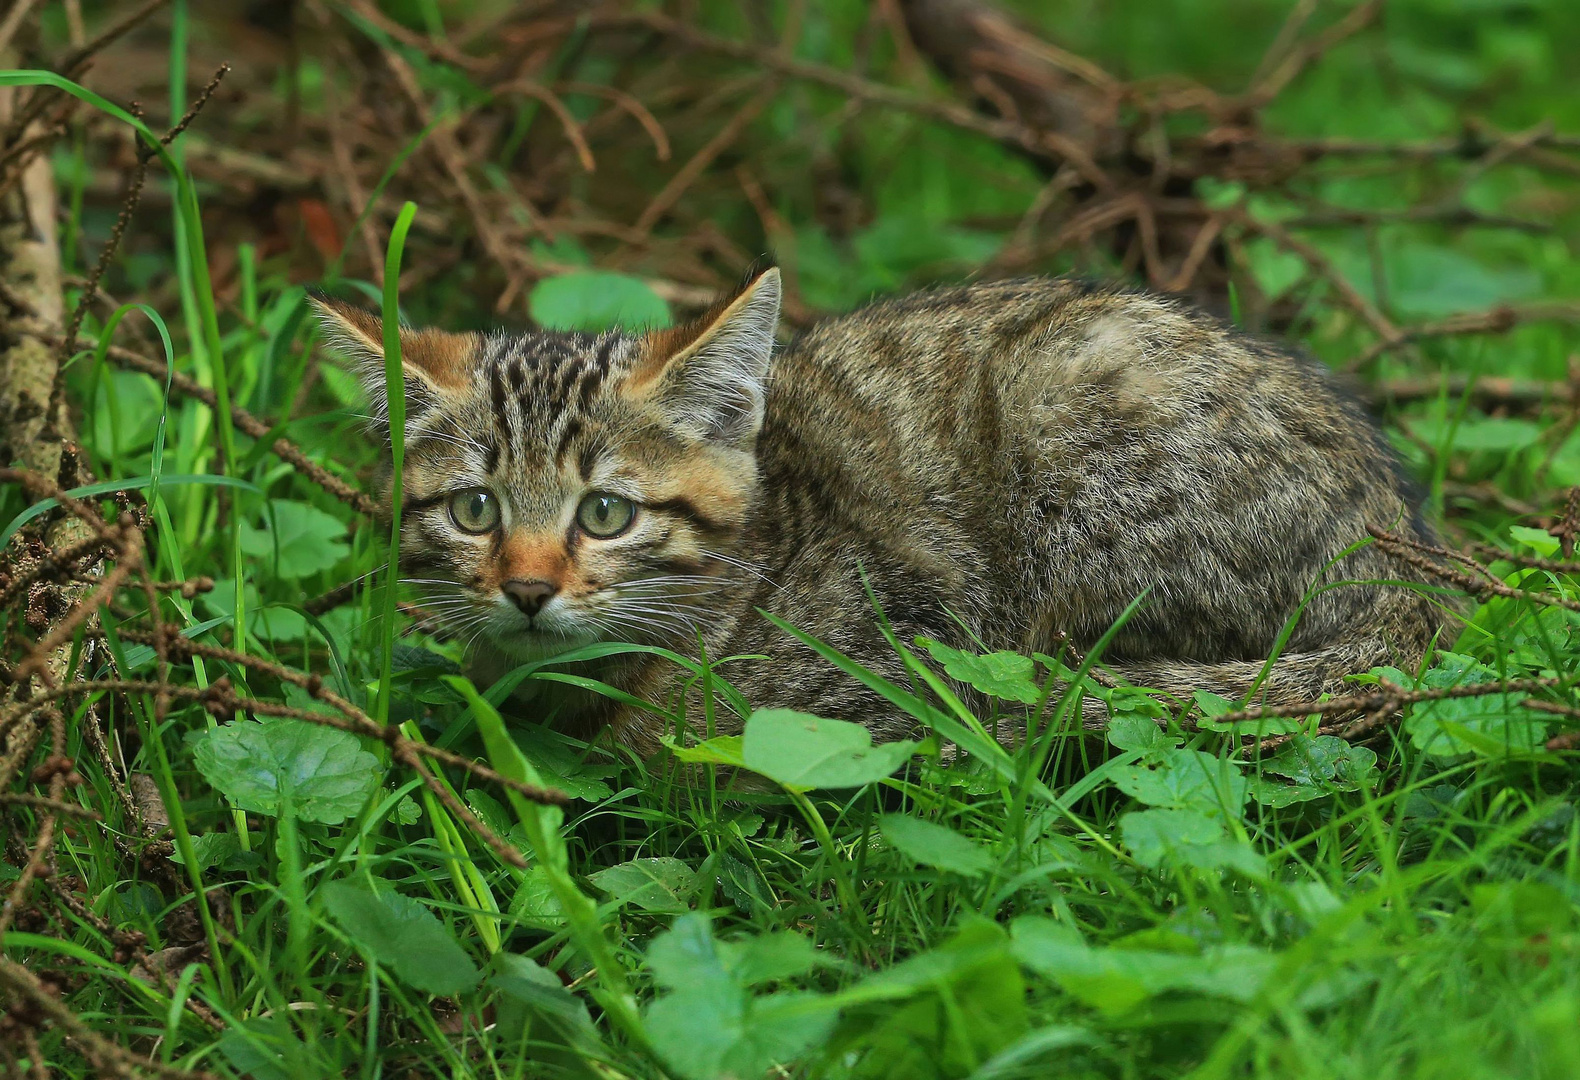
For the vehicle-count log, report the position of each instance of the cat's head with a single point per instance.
(565, 488)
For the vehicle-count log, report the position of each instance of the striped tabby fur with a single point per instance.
(1021, 458)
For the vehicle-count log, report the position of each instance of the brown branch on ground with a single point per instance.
(1488, 392)
(1568, 528)
(1476, 581)
(671, 192)
(1299, 58)
(1322, 268)
(1496, 320)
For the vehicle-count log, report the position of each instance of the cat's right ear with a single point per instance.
(433, 362)
(710, 376)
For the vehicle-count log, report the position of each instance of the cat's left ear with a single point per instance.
(433, 362)
(709, 376)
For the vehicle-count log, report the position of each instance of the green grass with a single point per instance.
(1151, 904)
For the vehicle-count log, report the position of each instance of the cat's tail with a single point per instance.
(1401, 627)
(1293, 677)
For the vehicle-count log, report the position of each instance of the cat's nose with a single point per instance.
(529, 596)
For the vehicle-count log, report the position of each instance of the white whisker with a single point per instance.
(750, 568)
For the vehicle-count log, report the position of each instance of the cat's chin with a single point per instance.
(528, 645)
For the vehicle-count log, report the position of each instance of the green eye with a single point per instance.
(474, 510)
(603, 515)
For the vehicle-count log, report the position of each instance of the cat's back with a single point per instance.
(963, 381)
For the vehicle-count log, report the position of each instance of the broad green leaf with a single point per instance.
(934, 845)
(1185, 779)
(535, 902)
(1152, 834)
(529, 989)
(1215, 705)
(719, 750)
(1212, 704)
(1308, 759)
(405, 657)
(403, 935)
(130, 425)
(1429, 281)
(265, 1048)
(1272, 793)
(564, 766)
(708, 1026)
(1499, 434)
(1116, 979)
(770, 957)
(594, 300)
(802, 751)
(1526, 908)
(307, 539)
(488, 810)
(1131, 732)
(1004, 675)
(325, 773)
(744, 885)
(1541, 541)
(1490, 725)
(1276, 271)
(939, 1013)
(211, 849)
(269, 622)
(1186, 837)
(661, 885)
(1260, 726)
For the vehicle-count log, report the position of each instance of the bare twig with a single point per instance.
(1496, 320)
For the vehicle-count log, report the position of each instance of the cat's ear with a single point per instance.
(433, 362)
(709, 376)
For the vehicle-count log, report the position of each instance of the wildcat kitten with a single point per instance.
(1024, 458)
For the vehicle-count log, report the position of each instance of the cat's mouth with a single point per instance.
(532, 643)
(542, 635)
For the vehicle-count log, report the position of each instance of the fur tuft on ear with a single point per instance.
(709, 376)
(433, 362)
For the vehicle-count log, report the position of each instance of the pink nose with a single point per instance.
(529, 596)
